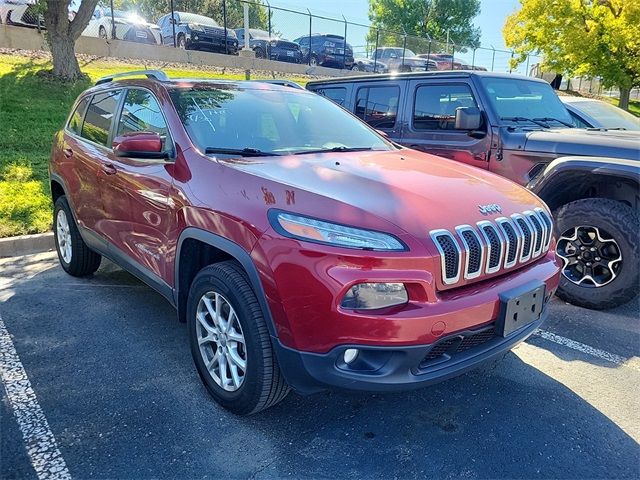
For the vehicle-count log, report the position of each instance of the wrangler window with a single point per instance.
(378, 106)
(435, 105)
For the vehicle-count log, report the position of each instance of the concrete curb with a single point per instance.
(26, 244)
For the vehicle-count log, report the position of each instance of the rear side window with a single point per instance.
(141, 113)
(75, 122)
(378, 106)
(435, 105)
(337, 94)
(97, 121)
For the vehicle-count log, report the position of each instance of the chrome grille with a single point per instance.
(490, 246)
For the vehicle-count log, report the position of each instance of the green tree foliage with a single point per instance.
(594, 38)
(422, 18)
(154, 9)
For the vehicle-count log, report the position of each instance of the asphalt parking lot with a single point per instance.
(112, 374)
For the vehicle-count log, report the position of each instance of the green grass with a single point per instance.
(32, 109)
(634, 105)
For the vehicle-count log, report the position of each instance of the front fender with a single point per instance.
(567, 174)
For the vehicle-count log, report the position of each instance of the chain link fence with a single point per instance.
(276, 33)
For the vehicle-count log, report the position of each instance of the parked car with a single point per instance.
(197, 32)
(402, 60)
(273, 48)
(128, 26)
(293, 239)
(363, 64)
(326, 50)
(443, 61)
(592, 113)
(517, 127)
(21, 13)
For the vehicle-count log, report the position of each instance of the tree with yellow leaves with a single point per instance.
(594, 38)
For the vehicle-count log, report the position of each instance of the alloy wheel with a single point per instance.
(64, 236)
(221, 341)
(591, 257)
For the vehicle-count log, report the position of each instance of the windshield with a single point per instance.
(267, 120)
(608, 115)
(200, 19)
(518, 98)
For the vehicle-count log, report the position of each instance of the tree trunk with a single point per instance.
(624, 98)
(63, 33)
(65, 64)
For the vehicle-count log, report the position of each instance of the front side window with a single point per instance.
(97, 121)
(337, 94)
(75, 122)
(141, 113)
(435, 105)
(378, 106)
(279, 121)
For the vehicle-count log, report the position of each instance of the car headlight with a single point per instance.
(319, 231)
(196, 28)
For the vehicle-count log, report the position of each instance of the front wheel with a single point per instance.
(598, 246)
(230, 341)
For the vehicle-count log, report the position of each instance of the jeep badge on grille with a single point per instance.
(491, 208)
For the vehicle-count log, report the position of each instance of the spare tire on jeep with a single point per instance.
(598, 245)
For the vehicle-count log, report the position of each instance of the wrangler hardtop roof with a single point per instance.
(418, 75)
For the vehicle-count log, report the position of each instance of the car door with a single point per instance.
(85, 151)
(135, 192)
(430, 126)
(378, 104)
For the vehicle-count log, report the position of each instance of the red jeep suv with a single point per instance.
(302, 248)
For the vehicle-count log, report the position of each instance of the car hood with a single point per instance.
(419, 60)
(578, 141)
(415, 191)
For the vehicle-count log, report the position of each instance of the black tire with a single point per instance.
(263, 385)
(102, 33)
(314, 61)
(357, 68)
(83, 261)
(260, 53)
(404, 68)
(622, 223)
(182, 42)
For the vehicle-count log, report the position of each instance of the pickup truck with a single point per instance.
(517, 127)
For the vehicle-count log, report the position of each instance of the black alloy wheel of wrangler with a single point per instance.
(600, 252)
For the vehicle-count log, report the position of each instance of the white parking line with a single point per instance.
(39, 440)
(581, 347)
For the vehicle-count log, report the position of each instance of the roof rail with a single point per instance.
(154, 74)
(284, 83)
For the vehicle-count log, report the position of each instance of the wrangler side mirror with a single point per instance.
(468, 118)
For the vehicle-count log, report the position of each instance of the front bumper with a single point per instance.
(209, 42)
(385, 369)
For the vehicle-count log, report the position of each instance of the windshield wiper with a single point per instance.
(552, 119)
(525, 119)
(334, 149)
(242, 152)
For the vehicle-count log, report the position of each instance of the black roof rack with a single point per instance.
(153, 74)
(284, 83)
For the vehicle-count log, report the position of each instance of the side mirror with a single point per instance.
(143, 145)
(468, 118)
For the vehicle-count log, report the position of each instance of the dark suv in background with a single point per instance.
(517, 127)
(197, 32)
(326, 50)
(273, 48)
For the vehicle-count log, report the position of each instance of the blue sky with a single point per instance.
(490, 21)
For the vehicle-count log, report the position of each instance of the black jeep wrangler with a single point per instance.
(517, 127)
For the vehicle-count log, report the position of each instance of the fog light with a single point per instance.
(371, 296)
(350, 354)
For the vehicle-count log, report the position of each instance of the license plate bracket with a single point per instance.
(519, 307)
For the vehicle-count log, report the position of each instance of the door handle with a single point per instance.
(67, 152)
(109, 169)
